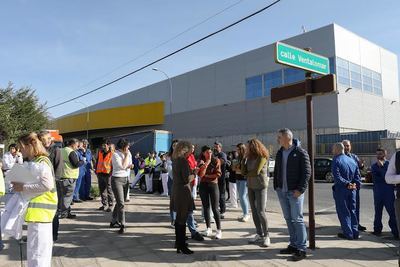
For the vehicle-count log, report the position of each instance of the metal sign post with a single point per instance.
(310, 144)
(310, 62)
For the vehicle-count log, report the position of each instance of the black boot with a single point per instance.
(121, 229)
(180, 232)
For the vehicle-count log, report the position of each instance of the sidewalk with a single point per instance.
(149, 239)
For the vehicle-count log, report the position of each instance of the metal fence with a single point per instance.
(362, 142)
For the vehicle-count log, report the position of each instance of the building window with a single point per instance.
(254, 87)
(293, 75)
(355, 76)
(377, 82)
(367, 80)
(343, 72)
(271, 80)
(332, 65)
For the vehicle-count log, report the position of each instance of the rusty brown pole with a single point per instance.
(310, 135)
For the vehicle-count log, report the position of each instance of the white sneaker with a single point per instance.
(266, 242)
(218, 235)
(256, 239)
(207, 232)
(245, 218)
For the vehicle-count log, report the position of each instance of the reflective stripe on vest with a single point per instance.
(104, 164)
(43, 207)
(68, 170)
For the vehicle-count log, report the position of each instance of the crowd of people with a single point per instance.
(240, 178)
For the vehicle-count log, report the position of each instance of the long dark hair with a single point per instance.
(171, 148)
(213, 158)
(122, 143)
(242, 151)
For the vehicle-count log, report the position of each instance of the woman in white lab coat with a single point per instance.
(42, 208)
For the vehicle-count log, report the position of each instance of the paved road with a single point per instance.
(325, 206)
(88, 242)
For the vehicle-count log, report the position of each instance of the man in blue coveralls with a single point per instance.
(360, 164)
(82, 172)
(383, 194)
(86, 183)
(346, 176)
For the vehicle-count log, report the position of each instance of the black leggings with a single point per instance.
(210, 191)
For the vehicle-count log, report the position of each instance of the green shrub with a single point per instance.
(95, 191)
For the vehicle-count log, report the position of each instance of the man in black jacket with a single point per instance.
(291, 175)
(222, 180)
(56, 161)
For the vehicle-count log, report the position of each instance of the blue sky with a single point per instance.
(64, 48)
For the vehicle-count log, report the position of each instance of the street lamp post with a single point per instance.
(87, 118)
(170, 88)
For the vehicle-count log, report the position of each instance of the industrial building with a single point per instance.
(230, 100)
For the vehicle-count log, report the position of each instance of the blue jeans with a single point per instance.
(292, 209)
(78, 185)
(191, 224)
(170, 181)
(171, 212)
(244, 200)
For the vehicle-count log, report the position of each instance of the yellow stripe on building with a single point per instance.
(127, 116)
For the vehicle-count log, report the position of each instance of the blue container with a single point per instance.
(147, 141)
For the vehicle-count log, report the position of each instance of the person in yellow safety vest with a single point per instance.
(150, 164)
(69, 175)
(42, 208)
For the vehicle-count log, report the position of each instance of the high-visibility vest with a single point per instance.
(2, 186)
(41, 209)
(104, 163)
(69, 171)
(150, 162)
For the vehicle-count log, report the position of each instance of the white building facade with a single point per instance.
(230, 100)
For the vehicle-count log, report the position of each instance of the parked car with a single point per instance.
(322, 169)
(368, 176)
(271, 167)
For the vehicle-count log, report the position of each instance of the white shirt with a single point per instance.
(391, 177)
(169, 167)
(117, 159)
(128, 171)
(9, 160)
(158, 163)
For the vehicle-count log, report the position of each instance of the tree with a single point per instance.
(20, 113)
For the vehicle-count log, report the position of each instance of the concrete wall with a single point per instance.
(252, 117)
(360, 110)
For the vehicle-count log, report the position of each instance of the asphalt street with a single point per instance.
(325, 206)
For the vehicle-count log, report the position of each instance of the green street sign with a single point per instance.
(301, 59)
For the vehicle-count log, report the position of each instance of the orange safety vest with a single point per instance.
(104, 164)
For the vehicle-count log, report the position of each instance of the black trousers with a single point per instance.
(222, 190)
(210, 191)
